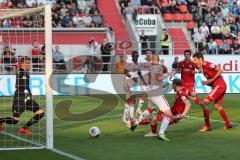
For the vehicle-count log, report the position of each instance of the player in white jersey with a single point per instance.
(132, 72)
(144, 66)
(155, 85)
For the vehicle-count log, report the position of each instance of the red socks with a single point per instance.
(154, 128)
(224, 116)
(198, 101)
(206, 117)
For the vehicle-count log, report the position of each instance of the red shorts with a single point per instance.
(191, 88)
(217, 94)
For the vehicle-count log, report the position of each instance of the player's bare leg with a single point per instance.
(165, 122)
(38, 115)
(223, 115)
(206, 113)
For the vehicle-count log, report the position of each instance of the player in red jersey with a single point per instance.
(187, 68)
(179, 109)
(214, 79)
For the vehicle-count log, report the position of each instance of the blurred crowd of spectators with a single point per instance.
(65, 13)
(217, 27)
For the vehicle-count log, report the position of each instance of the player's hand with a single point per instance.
(194, 72)
(207, 82)
(135, 79)
(145, 83)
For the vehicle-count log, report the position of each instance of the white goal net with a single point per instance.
(26, 113)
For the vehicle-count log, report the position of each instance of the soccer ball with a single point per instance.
(94, 132)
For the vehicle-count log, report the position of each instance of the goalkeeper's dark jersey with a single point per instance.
(22, 83)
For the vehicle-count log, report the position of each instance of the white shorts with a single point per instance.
(160, 102)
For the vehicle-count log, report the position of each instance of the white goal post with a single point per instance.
(10, 138)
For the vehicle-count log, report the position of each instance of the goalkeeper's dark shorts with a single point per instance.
(20, 104)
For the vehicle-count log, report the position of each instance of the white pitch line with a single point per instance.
(39, 146)
(65, 154)
(214, 120)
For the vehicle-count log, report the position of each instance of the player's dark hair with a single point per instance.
(177, 82)
(188, 51)
(134, 52)
(24, 59)
(198, 55)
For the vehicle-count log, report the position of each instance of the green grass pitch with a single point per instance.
(117, 142)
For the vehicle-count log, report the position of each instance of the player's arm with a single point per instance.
(126, 72)
(187, 107)
(141, 77)
(219, 72)
(161, 77)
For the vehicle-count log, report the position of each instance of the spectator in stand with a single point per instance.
(120, 65)
(106, 49)
(87, 19)
(136, 4)
(8, 59)
(97, 19)
(55, 19)
(58, 59)
(225, 10)
(129, 10)
(93, 9)
(209, 20)
(66, 19)
(172, 7)
(216, 31)
(198, 38)
(224, 47)
(27, 21)
(215, 10)
(35, 56)
(73, 9)
(81, 24)
(144, 42)
(205, 30)
(212, 46)
(76, 20)
(63, 10)
(164, 42)
(235, 47)
(225, 29)
(175, 64)
(219, 19)
(31, 3)
(164, 67)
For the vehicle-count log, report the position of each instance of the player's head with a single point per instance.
(187, 54)
(25, 63)
(155, 59)
(198, 59)
(148, 54)
(176, 83)
(135, 56)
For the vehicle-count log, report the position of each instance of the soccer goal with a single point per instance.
(26, 115)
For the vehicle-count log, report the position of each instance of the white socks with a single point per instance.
(145, 114)
(164, 124)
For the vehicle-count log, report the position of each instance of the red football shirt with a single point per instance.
(179, 106)
(186, 69)
(209, 71)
